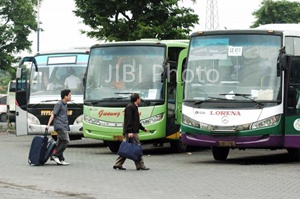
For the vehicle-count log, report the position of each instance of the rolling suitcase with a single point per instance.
(41, 149)
(37, 150)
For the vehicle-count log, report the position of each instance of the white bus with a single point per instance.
(242, 90)
(11, 101)
(38, 90)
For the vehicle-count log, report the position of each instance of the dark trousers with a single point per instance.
(62, 143)
(120, 160)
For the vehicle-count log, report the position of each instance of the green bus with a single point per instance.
(242, 90)
(149, 67)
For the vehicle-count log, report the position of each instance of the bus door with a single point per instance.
(22, 93)
(180, 80)
(174, 94)
(292, 103)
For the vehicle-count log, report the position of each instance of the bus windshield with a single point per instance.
(233, 67)
(52, 74)
(116, 71)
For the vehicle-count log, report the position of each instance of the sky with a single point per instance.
(61, 28)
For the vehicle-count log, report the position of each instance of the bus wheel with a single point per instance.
(294, 154)
(3, 117)
(177, 146)
(220, 153)
(113, 146)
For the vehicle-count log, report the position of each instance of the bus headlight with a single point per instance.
(152, 119)
(271, 121)
(101, 123)
(78, 120)
(31, 119)
(189, 121)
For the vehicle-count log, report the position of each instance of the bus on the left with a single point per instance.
(39, 80)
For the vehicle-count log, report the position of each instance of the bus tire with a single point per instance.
(220, 153)
(294, 154)
(3, 117)
(113, 146)
(177, 146)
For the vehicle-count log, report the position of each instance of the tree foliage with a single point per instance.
(116, 20)
(17, 20)
(277, 12)
(5, 77)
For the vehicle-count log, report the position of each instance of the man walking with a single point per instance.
(61, 126)
(131, 127)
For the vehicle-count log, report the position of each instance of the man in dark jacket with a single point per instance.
(131, 129)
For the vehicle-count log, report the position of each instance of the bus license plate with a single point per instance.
(118, 137)
(227, 143)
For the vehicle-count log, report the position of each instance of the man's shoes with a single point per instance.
(64, 163)
(56, 159)
(142, 168)
(119, 167)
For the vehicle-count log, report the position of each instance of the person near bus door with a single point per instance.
(61, 126)
(131, 127)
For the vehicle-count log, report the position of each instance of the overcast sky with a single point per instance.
(61, 29)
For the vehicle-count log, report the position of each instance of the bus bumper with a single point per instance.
(264, 141)
(40, 129)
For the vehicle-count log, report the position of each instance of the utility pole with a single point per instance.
(212, 17)
(38, 26)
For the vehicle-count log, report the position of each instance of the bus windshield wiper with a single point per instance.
(114, 98)
(56, 100)
(130, 93)
(53, 100)
(106, 99)
(247, 96)
(211, 98)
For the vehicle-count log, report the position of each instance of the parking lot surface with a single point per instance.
(246, 174)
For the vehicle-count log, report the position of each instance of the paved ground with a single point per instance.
(246, 174)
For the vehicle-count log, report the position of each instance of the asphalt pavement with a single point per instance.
(249, 174)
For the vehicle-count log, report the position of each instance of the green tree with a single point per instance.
(277, 12)
(116, 20)
(5, 77)
(17, 20)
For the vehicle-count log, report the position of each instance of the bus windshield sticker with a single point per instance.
(235, 50)
(62, 60)
(267, 94)
(152, 94)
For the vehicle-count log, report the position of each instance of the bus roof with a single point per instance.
(84, 50)
(286, 29)
(282, 27)
(149, 41)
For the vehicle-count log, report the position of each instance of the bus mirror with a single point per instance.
(281, 64)
(29, 59)
(281, 61)
(84, 81)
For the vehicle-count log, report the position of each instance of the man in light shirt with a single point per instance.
(73, 82)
